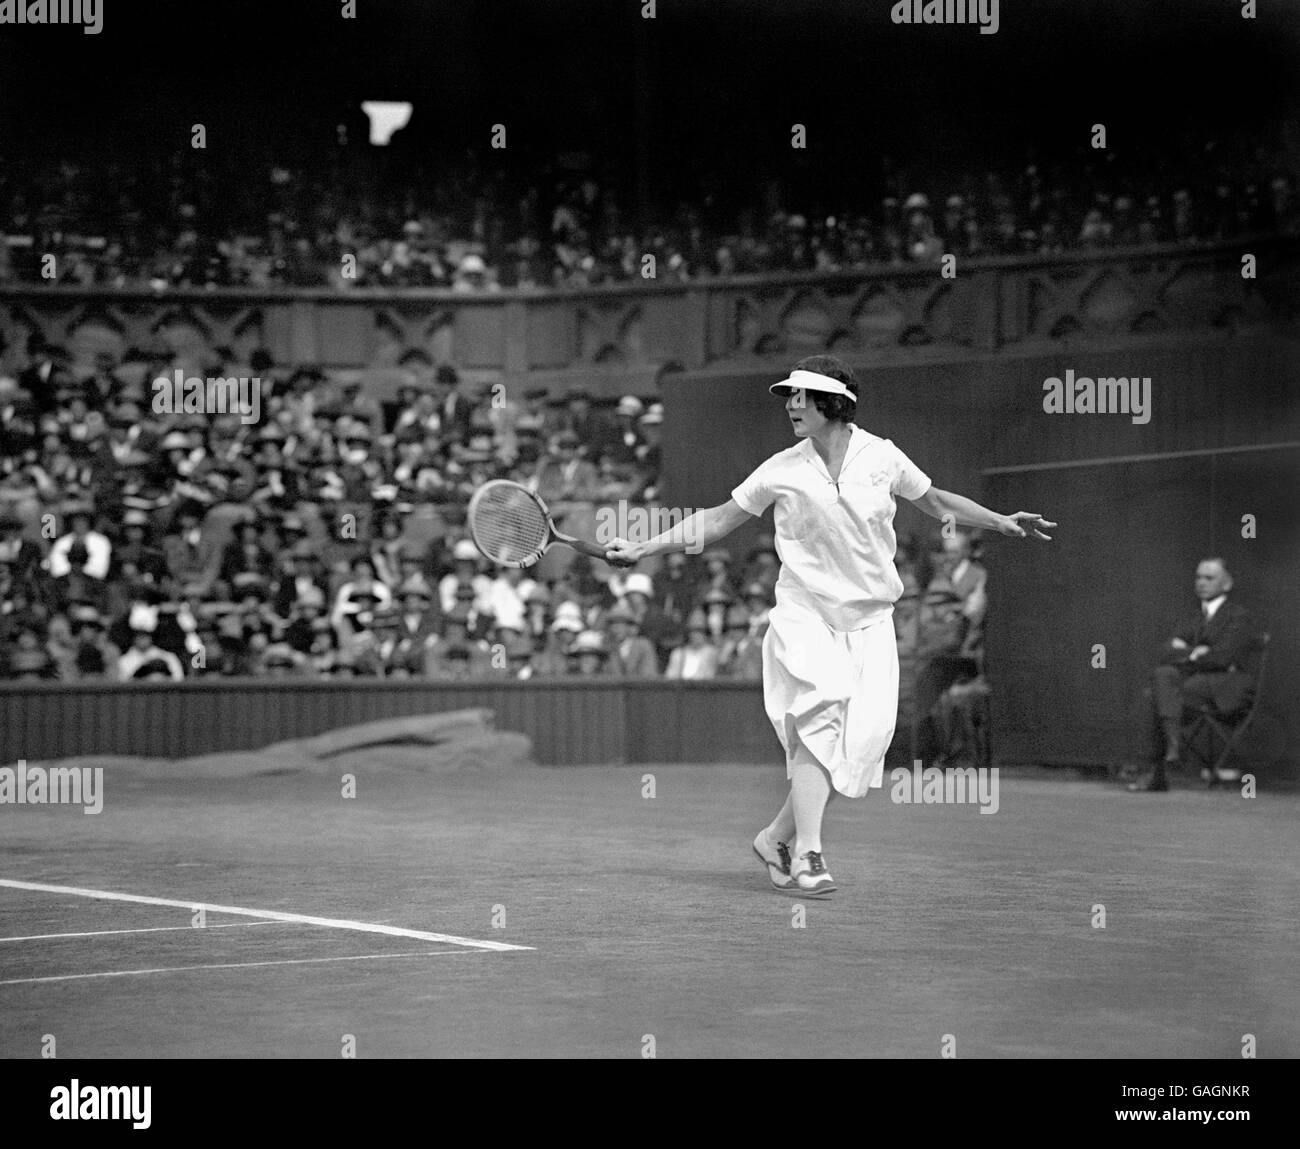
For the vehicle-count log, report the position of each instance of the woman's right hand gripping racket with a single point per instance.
(511, 526)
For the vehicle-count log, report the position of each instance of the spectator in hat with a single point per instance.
(473, 276)
(245, 555)
(143, 655)
(306, 618)
(716, 602)
(588, 656)
(17, 607)
(565, 476)
(136, 548)
(631, 656)
(740, 654)
(420, 419)
(536, 419)
(375, 647)
(717, 572)
(638, 594)
(698, 658)
(519, 658)
(552, 660)
(361, 594)
(454, 662)
(22, 555)
(455, 410)
(465, 573)
(479, 620)
(586, 426)
(763, 564)
(279, 660)
(459, 655)
(387, 547)
(27, 657)
(89, 655)
(46, 372)
(625, 445)
(757, 600)
(83, 549)
(191, 552)
(921, 243)
(300, 575)
(322, 654)
(649, 453)
(418, 625)
(363, 408)
(537, 611)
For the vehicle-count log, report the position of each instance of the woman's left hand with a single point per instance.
(1023, 523)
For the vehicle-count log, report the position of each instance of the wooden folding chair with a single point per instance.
(1211, 729)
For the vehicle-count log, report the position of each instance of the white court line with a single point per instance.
(149, 930)
(229, 965)
(268, 915)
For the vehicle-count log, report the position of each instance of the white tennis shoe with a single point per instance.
(776, 857)
(811, 876)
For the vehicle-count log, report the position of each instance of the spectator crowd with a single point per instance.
(329, 537)
(172, 222)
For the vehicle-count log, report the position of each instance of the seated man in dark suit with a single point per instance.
(1206, 661)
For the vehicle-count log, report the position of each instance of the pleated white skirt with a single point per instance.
(833, 691)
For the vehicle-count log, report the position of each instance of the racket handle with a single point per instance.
(591, 550)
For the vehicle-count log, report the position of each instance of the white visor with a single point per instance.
(812, 381)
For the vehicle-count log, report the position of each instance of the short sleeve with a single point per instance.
(756, 494)
(909, 480)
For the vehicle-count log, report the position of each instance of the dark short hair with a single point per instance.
(838, 408)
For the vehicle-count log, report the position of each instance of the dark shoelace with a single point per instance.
(815, 863)
(783, 852)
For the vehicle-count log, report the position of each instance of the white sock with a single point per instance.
(810, 790)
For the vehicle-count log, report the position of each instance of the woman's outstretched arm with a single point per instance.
(692, 534)
(968, 513)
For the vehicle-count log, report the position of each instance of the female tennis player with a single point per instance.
(830, 664)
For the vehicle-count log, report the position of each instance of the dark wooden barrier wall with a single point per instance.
(570, 722)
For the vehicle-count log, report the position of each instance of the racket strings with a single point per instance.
(508, 525)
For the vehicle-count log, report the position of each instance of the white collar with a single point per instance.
(1212, 607)
(859, 441)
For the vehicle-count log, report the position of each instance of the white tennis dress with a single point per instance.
(830, 663)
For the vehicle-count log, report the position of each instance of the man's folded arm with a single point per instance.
(1232, 646)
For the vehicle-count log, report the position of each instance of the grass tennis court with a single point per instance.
(643, 916)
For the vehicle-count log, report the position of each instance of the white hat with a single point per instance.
(472, 264)
(812, 381)
(568, 616)
(637, 583)
(588, 642)
(465, 551)
(655, 414)
(630, 405)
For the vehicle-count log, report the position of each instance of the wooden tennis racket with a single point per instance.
(512, 527)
